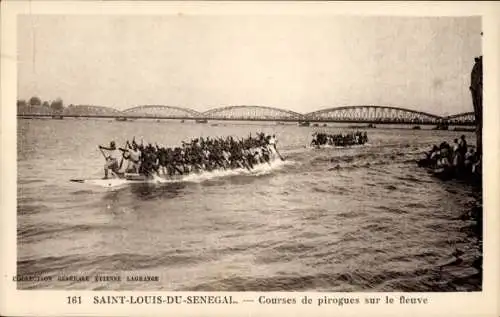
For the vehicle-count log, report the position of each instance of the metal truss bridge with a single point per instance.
(349, 114)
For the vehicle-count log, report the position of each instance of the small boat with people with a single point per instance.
(369, 126)
(462, 129)
(441, 126)
(140, 163)
(455, 161)
(341, 139)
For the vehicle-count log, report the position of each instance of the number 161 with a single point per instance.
(74, 299)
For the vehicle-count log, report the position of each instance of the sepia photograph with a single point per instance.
(249, 153)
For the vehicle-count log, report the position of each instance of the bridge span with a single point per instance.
(347, 114)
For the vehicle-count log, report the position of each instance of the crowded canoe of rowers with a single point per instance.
(197, 155)
(341, 139)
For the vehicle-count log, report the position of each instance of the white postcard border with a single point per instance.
(45, 303)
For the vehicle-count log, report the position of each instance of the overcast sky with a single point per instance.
(290, 62)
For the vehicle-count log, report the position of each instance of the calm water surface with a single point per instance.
(336, 219)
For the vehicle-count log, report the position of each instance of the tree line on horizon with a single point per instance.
(56, 105)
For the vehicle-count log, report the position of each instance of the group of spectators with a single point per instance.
(456, 155)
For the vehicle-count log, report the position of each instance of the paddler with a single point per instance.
(133, 157)
(111, 154)
(273, 141)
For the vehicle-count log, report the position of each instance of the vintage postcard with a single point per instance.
(224, 158)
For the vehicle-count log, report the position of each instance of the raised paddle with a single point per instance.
(100, 149)
(281, 157)
(276, 149)
(121, 161)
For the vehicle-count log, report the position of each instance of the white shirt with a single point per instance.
(134, 155)
(115, 154)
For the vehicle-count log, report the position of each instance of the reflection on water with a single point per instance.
(333, 219)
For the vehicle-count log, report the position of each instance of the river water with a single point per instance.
(335, 219)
